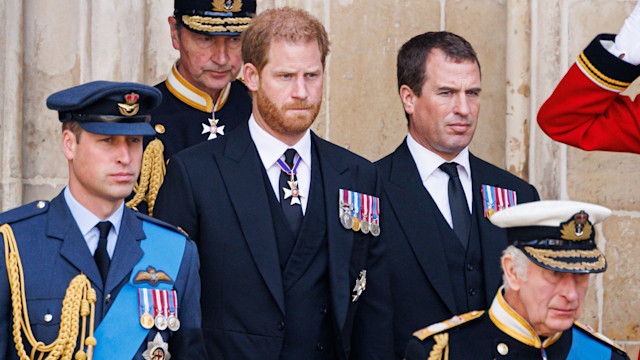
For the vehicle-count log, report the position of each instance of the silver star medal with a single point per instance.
(213, 129)
(292, 192)
(157, 349)
(361, 285)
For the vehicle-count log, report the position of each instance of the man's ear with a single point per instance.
(510, 274)
(175, 37)
(69, 144)
(251, 77)
(408, 98)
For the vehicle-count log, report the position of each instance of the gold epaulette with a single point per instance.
(151, 176)
(241, 80)
(597, 335)
(447, 324)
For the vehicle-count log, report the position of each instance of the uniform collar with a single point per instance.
(87, 220)
(511, 323)
(193, 96)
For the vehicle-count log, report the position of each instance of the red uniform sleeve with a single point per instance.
(586, 109)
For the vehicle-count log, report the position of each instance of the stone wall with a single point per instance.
(524, 46)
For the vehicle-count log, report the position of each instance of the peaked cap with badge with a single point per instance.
(107, 108)
(556, 235)
(52, 290)
(217, 17)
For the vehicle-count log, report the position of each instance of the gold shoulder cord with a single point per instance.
(79, 300)
(151, 176)
(440, 350)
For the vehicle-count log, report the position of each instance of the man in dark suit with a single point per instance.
(282, 279)
(85, 259)
(444, 255)
(202, 98)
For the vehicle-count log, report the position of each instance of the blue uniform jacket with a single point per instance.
(53, 251)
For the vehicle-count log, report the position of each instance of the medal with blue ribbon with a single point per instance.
(496, 199)
(356, 210)
(292, 192)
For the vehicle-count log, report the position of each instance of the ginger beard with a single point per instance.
(282, 120)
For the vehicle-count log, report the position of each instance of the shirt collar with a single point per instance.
(271, 149)
(87, 220)
(511, 323)
(427, 161)
(193, 96)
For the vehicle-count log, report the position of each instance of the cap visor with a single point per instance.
(131, 129)
(572, 260)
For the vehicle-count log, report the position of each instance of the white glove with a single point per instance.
(628, 39)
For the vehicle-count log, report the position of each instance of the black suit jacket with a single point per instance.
(421, 288)
(215, 191)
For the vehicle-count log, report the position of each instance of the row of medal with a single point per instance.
(158, 308)
(359, 212)
(496, 199)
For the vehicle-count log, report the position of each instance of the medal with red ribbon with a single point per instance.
(174, 323)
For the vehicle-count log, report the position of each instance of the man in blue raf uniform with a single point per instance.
(546, 271)
(444, 253)
(281, 277)
(201, 98)
(97, 278)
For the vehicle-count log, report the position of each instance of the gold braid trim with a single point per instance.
(546, 256)
(205, 24)
(440, 350)
(79, 301)
(151, 176)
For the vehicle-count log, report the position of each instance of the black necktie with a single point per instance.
(101, 256)
(293, 213)
(457, 203)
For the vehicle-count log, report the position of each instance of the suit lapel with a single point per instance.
(418, 221)
(312, 232)
(242, 172)
(492, 238)
(127, 252)
(62, 226)
(335, 176)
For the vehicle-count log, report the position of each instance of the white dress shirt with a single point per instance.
(436, 181)
(87, 222)
(271, 149)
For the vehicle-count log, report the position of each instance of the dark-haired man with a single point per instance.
(201, 98)
(444, 253)
(286, 274)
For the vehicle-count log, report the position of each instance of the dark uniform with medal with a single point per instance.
(189, 113)
(85, 271)
(557, 239)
